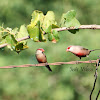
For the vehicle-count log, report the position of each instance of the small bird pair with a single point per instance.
(79, 51)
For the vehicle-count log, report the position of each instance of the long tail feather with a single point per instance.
(94, 50)
(48, 68)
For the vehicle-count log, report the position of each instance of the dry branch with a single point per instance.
(60, 29)
(81, 27)
(43, 64)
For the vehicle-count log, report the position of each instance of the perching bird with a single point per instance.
(41, 57)
(79, 51)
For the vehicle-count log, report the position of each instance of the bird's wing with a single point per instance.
(84, 49)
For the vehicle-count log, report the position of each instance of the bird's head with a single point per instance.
(40, 50)
(68, 48)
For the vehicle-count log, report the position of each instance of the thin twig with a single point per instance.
(61, 29)
(81, 27)
(97, 64)
(98, 95)
(21, 39)
(96, 72)
(43, 64)
(93, 87)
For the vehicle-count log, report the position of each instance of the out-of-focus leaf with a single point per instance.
(69, 20)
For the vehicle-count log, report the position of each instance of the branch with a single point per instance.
(21, 39)
(81, 27)
(43, 64)
(60, 29)
(97, 64)
(93, 87)
(98, 95)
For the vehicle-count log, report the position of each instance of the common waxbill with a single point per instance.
(41, 57)
(79, 51)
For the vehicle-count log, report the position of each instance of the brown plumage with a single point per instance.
(41, 57)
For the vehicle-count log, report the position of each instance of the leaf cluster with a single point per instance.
(39, 26)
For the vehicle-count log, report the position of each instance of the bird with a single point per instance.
(41, 57)
(79, 51)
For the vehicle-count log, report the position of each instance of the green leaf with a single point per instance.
(56, 35)
(9, 29)
(48, 30)
(41, 36)
(36, 34)
(33, 32)
(36, 16)
(20, 46)
(15, 31)
(34, 29)
(50, 36)
(54, 26)
(48, 21)
(73, 31)
(4, 34)
(22, 33)
(2, 41)
(10, 39)
(69, 20)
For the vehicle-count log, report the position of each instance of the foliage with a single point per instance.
(40, 25)
(37, 83)
(10, 37)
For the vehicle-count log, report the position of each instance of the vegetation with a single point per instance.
(66, 82)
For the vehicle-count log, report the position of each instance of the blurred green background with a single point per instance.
(66, 82)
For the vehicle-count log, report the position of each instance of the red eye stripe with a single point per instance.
(41, 49)
(68, 47)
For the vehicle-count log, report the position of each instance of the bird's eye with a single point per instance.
(68, 48)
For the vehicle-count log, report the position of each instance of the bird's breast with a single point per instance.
(82, 53)
(41, 58)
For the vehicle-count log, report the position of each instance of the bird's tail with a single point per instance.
(49, 68)
(94, 50)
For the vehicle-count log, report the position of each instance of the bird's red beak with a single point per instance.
(42, 50)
